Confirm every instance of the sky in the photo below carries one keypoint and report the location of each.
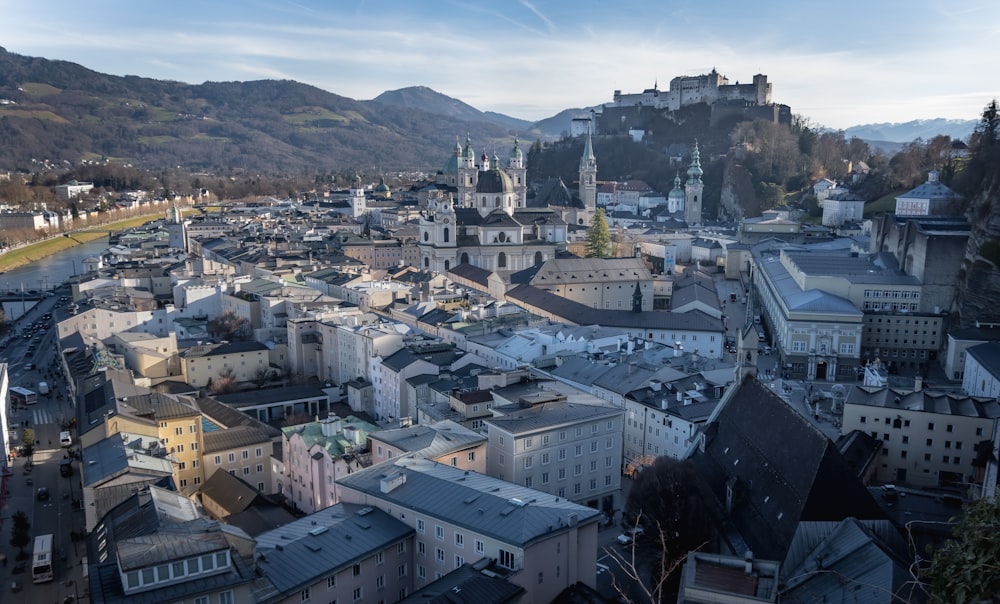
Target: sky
(838, 64)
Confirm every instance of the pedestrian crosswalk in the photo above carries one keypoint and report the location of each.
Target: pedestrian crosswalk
(42, 416)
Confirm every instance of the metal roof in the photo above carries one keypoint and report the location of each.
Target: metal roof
(298, 554)
(496, 508)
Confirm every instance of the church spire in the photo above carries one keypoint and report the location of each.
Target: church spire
(694, 172)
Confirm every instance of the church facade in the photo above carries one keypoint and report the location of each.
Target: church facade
(484, 221)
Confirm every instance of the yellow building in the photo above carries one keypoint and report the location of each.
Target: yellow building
(175, 421)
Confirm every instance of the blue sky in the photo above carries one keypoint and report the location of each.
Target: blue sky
(837, 63)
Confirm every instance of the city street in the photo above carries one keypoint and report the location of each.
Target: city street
(794, 392)
(57, 514)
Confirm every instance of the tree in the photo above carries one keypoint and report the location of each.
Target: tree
(229, 326)
(967, 568)
(669, 501)
(598, 237)
(224, 383)
(20, 533)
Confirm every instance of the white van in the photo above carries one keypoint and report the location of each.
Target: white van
(43, 387)
(65, 439)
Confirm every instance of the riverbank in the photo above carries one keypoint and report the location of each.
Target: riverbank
(30, 253)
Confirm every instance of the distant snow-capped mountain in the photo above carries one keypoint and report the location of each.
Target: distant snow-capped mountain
(910, 131)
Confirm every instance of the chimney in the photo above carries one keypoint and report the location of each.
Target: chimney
(678, 349)
(330, 426)
(748, 562)
(388, 483)
(918, 384)
(655, 385)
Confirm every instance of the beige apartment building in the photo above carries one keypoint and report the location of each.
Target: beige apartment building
(928, 438)
(535, 540)
(570, 450)
(446, 442)
(602, 283)
(204, 363)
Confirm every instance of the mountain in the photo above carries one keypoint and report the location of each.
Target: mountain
(431, 101)
(907, 132)
(63, 112)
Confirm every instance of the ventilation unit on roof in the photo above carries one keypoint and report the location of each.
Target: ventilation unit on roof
(319, 530)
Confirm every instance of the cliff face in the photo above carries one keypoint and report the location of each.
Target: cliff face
(978, 291)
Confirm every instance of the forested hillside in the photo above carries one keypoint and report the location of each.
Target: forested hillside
(62, 112)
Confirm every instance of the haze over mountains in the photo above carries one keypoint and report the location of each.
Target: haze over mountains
(61, 111)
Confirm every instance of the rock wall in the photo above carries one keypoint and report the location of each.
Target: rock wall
(978, 297)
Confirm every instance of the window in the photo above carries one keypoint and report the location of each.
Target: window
(401, 547)
(459, 561)
(421, 548)
(379, 559)
(232, 457)
(218, 460)
(331, 582)
(459, 539)
(505, 559)
(357, 594)
(380, 582)
(226, 597)
(439, 533)
(246, 471)
(304, 595)
(178, 431)
(246, 454)
(472, 456)
(439, 554)
(259, 452)
(357, 570)
(401, 571)
(527, 461)
(421, 527)
(480, 547)
(421, 572)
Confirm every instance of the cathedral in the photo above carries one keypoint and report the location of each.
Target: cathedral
(481, 217)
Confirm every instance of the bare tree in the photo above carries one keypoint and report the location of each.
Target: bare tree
(224, 383)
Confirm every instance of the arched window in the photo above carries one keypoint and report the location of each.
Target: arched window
(501, 260)
(447, 265)
(447, 235)
(427, 236)
(427, 262)
(465, 258)
(538, 258)
(498, 201)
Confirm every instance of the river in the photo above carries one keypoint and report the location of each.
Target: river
(46, 273)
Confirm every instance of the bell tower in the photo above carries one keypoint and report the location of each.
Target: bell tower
(693, 189)
(588, 178)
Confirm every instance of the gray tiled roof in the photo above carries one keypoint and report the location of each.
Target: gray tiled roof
(780, 468)
(987, 355)
(300, 553)
(504, 511)
(929, 401)
(546, 415)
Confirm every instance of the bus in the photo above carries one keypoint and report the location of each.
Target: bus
(41, 561)
(20, 397)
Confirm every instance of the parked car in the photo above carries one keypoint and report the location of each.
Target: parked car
(630, 535)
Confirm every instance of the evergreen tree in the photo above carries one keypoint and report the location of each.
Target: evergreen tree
(598, 237)
(967, 568)
(20, 534)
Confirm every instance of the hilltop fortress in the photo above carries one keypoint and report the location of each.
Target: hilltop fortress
(629, 111)
(706, 88)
